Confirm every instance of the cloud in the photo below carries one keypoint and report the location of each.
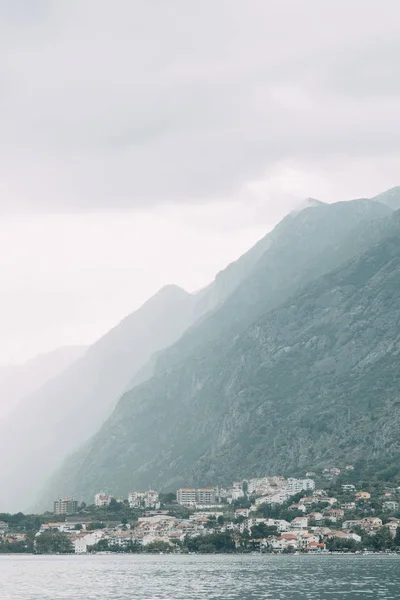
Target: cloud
(132, 104)
(145, 143)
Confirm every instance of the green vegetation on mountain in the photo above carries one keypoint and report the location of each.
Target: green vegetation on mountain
(292, 371)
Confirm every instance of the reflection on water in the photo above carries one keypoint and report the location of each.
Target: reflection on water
(199, 577)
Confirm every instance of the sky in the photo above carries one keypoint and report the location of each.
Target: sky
(145, 142)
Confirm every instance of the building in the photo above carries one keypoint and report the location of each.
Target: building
(186, 496)
(65, 506)
(390, 505)
(362, 496)
(102, 499)
(205, 496)
(294, 486)
(147, 499)
(3, 527)
(348, 487)
(299, 523)
(192, 496)
(82, 542)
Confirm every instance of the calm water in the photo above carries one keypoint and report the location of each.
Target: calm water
(198, 577)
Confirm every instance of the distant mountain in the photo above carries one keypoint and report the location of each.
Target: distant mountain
(210, 412)
(18, 381)
(72, 406)
(391, 198)
(65, 412)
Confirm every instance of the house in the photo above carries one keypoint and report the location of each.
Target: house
(62, 527)
(102, 499)
(348, 506)
(351, 523)
(242, 512)
(82, 542)
(299, 523)
(371, 523)
(281, 543)
(390, 505)
(307, 501)
(316, 516)
(344, 535)
(348, 487)
(331, 501)
(392, 526)
(281, 524)
(3, 527)
(336, 513)
(321, 531)
(308, 539)
(362, 496)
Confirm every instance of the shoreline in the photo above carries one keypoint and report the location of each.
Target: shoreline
(286, 554)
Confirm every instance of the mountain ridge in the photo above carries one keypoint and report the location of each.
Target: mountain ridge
(83, 465)
(252, 423)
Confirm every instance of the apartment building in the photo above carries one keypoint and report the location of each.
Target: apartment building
(193, 496)
(186, 496)
(65, 506)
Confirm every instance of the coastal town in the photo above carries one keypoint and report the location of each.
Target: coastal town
(329, 511)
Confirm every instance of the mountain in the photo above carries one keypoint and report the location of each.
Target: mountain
(304, 245)
(18, 381)
(212, 410)
(64, 413)
(391, 198)
(69, 408)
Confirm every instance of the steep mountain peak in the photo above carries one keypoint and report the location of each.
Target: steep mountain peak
(308, 203)
(171, 291)
(391, 197)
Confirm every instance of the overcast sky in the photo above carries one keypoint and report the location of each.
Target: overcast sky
(145, 142)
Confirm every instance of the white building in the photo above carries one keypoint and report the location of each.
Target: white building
(82, 542)
(193, 497)
(102, 499)
(294, 486)
(299, 523)
(147, 499)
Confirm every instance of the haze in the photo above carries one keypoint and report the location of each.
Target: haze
(146, 143)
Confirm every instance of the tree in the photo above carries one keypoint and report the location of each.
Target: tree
(51, 542)
(95, 525)
(167, 498)
(396, 541)
(114, 505)
(382, 540)
(158, 546)
(261, 530)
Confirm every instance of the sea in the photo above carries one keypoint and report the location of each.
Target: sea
(198, 577)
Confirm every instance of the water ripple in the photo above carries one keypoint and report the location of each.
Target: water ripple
(263, 577)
